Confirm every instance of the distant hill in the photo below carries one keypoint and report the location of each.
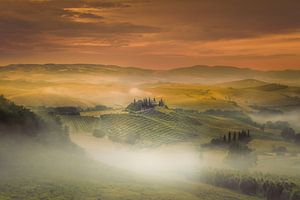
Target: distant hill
(74, 68)
(237, 95)
(245, 83)
(197, 73)
(271, 87)
(198, 87)
(207, 71)
(211, 74)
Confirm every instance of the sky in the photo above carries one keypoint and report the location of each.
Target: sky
(157, 34)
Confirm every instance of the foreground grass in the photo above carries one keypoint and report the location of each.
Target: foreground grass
(58, 189)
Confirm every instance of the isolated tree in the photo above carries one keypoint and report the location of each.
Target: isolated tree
(263, 127)
(229, 136)
(234, 136)
(297, 138)
(224, 138)
(288, 133)
(160, 102)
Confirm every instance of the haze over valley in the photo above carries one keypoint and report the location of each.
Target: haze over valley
(170, 125)
(149, 100)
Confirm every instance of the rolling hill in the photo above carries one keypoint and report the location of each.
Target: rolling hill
(244, 83)
(237, 95)
(161, 126)
(196, 74)
(198, 87)
(33, 170)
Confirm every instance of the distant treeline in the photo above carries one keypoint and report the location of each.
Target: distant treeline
(67, 110)
(276, 125)
(271, 188)
(97, 108)
(287, 132)
(71, 110)
(233, 114)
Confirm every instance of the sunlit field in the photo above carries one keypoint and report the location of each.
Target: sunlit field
(115, 137)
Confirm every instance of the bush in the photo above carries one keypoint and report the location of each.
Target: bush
(288, 133)
(296, 195)
(99, 133)
(240, 156)
(280, 150)
(297, 138)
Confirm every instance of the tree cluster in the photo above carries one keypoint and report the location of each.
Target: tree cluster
(232, 137)
(144, 104)
(289, 134)
(251, 185)
(280, 150)
(277, 125)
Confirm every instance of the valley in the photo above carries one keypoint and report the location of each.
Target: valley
(147, 134)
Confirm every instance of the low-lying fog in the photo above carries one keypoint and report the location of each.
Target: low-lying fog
(171, 159)
(292, 117)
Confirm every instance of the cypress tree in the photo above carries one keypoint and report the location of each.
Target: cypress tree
(224, 138)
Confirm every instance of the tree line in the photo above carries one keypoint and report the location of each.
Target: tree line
(258, 185)
(231, 137)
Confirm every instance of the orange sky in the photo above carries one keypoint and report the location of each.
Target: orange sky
(158, 34)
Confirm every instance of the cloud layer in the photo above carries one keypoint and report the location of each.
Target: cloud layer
(158, 34)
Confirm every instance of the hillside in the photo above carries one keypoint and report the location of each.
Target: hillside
(197, 87)
(228, 96)
(244, 83)
(31, 169)
(271, 87)
(160, 126)
(18, 120)
(196, 74)
(211, 72)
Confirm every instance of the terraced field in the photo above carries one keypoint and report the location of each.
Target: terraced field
(155, 127)
(144, 129)
(79, 124)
